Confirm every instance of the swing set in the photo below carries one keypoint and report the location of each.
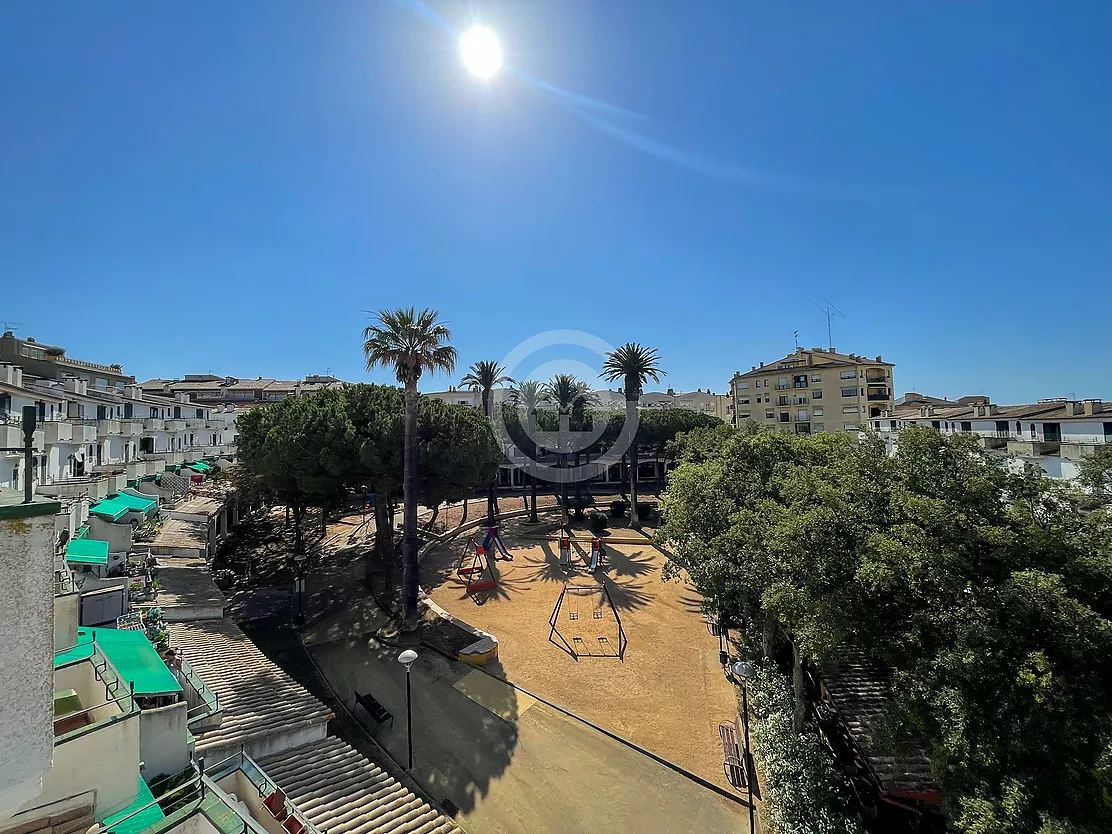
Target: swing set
(474, 565)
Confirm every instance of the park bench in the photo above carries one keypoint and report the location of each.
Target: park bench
(732, 755)
(376, 710)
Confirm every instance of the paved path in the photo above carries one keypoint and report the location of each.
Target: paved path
(512, 764)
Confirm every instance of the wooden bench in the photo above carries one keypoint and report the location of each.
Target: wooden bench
(732, 754)
(376, 710)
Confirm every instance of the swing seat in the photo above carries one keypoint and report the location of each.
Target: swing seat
(481, 585)
(469, 571)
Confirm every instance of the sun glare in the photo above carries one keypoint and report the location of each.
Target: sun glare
(481, 52)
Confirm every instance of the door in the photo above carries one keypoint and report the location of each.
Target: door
(1052, 432)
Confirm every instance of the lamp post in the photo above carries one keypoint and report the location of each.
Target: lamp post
(407, 658)
(745, 672)
(30, 417)
(299, 617)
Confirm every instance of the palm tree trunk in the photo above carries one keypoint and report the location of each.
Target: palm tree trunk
(531, 465)
(409, 497)
(631, 419)
(797, 686)
(465, 502)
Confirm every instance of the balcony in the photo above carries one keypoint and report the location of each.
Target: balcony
(881, 394)
(175, 425)
(204, 705)
(108, 428)
(875, 375)
(131, 427)
(84, 431)
(1034, 448)
(57, 431)
(267, 805)
(995, 440)
(154, 424)
(1078, 451)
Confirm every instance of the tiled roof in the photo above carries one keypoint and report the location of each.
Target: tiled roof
(823, 359)
(343, 793)
(860, 689)
(1054, 411)
(250, 384)
(180, 532)
(256, 696)
(200, 505)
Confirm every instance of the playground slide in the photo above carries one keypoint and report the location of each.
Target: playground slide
(496, 540)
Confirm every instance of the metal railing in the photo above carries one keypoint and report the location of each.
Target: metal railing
(210, 701)
(263, 784)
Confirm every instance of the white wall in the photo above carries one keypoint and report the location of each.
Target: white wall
(118, 536)
(67, 609)
(196, 824)
(27, 659)
(1084, 431)
(163, 745)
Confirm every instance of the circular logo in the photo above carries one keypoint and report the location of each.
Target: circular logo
(551, 449)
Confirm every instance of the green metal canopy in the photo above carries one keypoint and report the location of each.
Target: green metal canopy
(110, 509)
(131, 655)
(199, 466)
(87, 552)
(134, 502)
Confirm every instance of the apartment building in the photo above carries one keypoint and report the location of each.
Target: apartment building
(705, 402)
(1053, 434)
(228, 390)
(813, 390)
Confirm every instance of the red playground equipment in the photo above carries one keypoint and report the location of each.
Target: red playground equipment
(475, 571)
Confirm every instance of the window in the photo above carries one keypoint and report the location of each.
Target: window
(1107, 432)
(770, 414)
(766, 383)
(967, 426)
(743, 415)
(816, 377)
(799, 381)
(848, 374)
(850, 409)
(850, 427)
(849, 392)
(817, 427)
(876, 425)
(818, 411)
(743, 401)
(785, 417)
(892, 425)
(200, 414)
(1018, 427)
(1033, 435)
(743, 385)
(801, 416)
(801, 400)
(782, 384)
(816, 393)
(102, 412)
(782, 399)
(937, 424)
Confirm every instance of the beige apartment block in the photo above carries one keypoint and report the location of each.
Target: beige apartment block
(813, 390)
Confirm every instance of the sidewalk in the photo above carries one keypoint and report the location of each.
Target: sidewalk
(510, 763)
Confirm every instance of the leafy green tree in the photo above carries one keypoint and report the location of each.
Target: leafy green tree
(988, 592)
(484, 376)
(634, 365)
(659, 427)
(376, 465)
(458, 452)
(410, 343)
(1096, 473)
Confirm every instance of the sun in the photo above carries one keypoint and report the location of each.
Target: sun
(481, 52)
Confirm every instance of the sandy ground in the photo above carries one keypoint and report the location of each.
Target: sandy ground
(667, 693)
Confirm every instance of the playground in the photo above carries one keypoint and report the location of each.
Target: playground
(618, 646)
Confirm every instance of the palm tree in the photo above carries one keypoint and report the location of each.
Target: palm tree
(486, 376)
(571, 398)
(530, 395)
(411, 343)
(632, 364)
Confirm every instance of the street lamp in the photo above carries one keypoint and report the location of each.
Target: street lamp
(744, 671)
(407, 658)
(299, 617)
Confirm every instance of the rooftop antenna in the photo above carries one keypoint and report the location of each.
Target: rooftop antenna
(10, 325)
(830, 311)
(796, 332)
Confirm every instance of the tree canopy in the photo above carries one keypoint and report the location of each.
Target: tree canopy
(988, 592)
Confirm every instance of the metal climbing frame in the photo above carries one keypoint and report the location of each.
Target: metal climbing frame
(475, 571)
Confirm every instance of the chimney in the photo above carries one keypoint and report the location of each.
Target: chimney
(671, 393)
(1094, 406)
(879, 358)
(762, 364)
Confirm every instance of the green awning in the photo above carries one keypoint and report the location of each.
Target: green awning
(140, 815)
(87, 552)
(199, 466)
(134, 502)
(110, 508)
(131, 655)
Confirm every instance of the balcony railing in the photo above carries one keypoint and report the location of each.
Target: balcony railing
(175, 425)
(268, 789)
(878, 395)
(154, 424)
(108, 428)
(208, 703)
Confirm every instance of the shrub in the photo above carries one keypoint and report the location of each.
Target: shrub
(804, 794)
(597, 521)
(619, 508)
(645, 510)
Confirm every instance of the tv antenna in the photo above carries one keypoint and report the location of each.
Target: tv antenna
(796, 332)
(10, 325)
(830, 311)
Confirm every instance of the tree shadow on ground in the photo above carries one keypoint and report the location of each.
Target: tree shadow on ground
(633, 564)
(629, 595)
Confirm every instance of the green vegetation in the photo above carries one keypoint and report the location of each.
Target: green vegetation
(485, 376)
(634, 365)
(411, 343)
(989, 593)
(309, 451)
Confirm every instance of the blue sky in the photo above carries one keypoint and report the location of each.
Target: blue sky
(227, 187)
